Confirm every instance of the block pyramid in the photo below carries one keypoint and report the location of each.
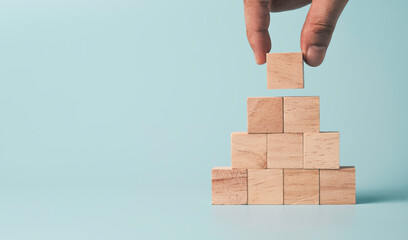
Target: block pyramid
(284, 158)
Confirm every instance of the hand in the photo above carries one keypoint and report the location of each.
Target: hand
(316, 33)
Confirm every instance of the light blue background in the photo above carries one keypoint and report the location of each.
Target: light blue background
(112, 114)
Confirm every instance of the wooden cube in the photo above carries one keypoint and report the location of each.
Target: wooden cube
(321, 150)
(301, 114)
(265, 114)
(285, 150)
(284, 70)
(229, 186)
(338, 186)
(300, 186)
(248, 150)
(265, 186)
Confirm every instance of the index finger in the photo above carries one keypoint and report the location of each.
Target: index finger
(257, 22)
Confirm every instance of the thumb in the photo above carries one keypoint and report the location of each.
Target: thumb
(318, 29)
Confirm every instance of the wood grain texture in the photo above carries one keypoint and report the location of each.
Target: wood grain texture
(301, 114)
(265, 114)
(338, 186)
(265, 186)
(321, 150)
(248, 150)
(284, 70)
(285, 150)
(300, 186)
(229, 186)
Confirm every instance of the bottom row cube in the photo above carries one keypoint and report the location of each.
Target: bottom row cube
(265, 186)
(283, 186)
(301, 186)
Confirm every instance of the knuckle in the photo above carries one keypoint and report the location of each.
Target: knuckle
(321, 27)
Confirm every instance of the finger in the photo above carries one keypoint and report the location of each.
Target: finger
(257, 23)
(318, 29)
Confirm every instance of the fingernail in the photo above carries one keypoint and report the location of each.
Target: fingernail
(315, 55)
(257, 59)
(260, 59)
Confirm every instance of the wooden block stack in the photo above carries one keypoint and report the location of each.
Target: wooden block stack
(284, 158)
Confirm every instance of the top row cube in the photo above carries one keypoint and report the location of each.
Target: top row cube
(284, 70)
